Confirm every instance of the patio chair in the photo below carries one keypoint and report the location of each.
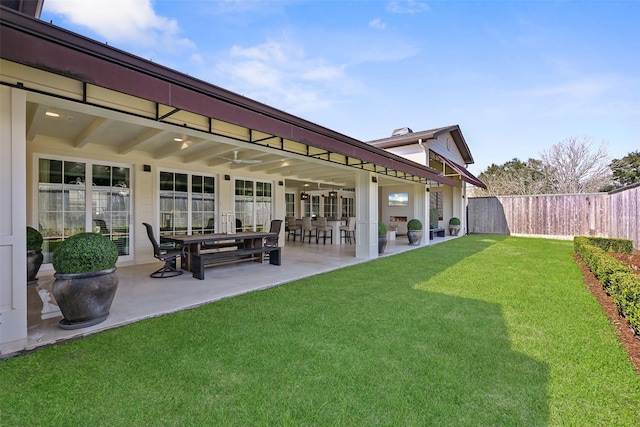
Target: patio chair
(102, 224)
(272, 242)
(276, 225)
(346, 231)
(169, 257)
(323, 227)
(293, 227)
(308, 227)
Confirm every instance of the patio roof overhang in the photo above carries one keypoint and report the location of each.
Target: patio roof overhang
(460, 170)
(218, 120)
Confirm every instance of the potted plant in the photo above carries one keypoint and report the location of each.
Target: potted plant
(414, 231)
(34, 254)
(382, 237)
(454, 226)
(85, 279)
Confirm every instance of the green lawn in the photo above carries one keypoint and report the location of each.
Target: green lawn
(477, 331)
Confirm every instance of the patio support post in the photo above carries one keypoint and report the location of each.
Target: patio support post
(13, 211)
(421, 210)
(367, 215)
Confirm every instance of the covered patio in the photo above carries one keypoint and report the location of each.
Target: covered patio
(140, 297)
(100, 140)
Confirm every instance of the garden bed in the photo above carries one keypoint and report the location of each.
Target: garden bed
(629, 340)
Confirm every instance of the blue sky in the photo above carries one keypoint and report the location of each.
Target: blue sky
(517, 76)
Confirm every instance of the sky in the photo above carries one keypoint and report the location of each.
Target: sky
(516, 76)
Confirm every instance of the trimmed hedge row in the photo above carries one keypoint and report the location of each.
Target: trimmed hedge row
(616, 278)
(619, 246)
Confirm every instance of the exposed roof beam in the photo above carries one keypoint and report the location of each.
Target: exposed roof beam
(175, 148)
(144, 138)
(93, 130)
(32, 128)
(207, 154)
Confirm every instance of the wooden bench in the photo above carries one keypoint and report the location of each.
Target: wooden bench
(202, 260)
(438, 231)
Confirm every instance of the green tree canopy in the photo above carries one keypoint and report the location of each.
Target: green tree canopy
(626, 170)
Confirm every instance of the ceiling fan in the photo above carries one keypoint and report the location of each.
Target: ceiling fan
(236, 160)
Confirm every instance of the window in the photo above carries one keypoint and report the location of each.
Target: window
(187, 203)
(67, 205)
(312, 206)
(110, 206)
(330, 207)
(435, 202)
(203, 201)
(174, 206)
(290, 204)
(347, 207)
(253, 205)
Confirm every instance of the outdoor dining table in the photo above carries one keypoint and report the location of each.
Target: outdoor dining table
(194, 242)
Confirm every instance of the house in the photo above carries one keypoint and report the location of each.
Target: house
(96, 139)
(443, 149)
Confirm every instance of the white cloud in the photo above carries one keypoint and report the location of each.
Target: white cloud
(407, 6)
(118, 21)
(579, 89)
(281, 74)
(377, 24)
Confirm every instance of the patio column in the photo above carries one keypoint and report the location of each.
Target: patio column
(421, 210)
(13, 211)
(366, 215)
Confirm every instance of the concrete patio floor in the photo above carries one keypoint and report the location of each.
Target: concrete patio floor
(141, 297)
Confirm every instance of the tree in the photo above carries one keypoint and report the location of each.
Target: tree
(514, 177)
(571, 166)
(626, 170)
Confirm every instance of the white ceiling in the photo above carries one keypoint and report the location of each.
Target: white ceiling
(81, 125)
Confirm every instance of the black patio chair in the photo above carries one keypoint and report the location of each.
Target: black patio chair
(276, 225)
(169, 257)
(272, 242)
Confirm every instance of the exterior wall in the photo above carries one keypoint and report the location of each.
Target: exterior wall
(145, 185)
(13, 245)
(444, 145)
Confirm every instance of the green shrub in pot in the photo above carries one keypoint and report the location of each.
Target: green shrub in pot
(34, 239)
(414, 224)
(382, 229)
(382, 237)
(84, 252)
(454, 226)
(34, 254)
(414, 231)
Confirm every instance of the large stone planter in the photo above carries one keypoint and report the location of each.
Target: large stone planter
(414, 236)
(34, 261)
(85, 298)
(454, 230)
(382, 244)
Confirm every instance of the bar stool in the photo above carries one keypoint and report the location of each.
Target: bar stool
(346, 231)
(323, 227)
(307, 226)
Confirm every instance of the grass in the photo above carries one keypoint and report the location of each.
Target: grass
(481, 330)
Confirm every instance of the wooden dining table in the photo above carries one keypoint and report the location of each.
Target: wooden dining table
(242, 240)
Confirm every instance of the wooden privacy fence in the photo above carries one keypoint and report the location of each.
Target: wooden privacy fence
(613, 214)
